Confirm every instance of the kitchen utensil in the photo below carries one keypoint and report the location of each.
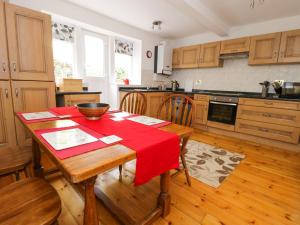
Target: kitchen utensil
(265, 88)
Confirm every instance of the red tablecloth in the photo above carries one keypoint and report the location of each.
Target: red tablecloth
(157, 151)
(68, 110)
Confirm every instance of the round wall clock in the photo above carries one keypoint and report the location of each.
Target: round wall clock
(149, 54)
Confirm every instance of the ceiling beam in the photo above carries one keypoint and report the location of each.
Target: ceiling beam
(202, 14)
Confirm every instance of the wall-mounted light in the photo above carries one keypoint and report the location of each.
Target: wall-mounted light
(156, 25)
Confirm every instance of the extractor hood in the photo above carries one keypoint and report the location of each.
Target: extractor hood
(241, 55)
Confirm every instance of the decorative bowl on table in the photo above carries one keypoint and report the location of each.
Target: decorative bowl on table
(93, 111)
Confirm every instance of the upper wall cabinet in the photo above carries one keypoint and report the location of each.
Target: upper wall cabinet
(264, 49)
(290, 47)
(176, 58)
(209, 55)
(189, 56)
(235, 45)
(4, 67)
(29, 44)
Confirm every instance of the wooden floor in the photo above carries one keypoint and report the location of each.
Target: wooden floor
(264, 190)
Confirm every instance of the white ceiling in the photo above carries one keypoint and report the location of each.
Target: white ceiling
(187, 17)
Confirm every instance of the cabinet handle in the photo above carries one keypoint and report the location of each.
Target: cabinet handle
(6, 93)
(269, 103)
(3, 67)
(17, 92)
(281, 54)
(14, 65)
(266, 114)
(275, 54)
(263, 129)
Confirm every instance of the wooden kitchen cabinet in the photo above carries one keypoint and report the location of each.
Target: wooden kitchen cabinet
(71, 100)
(7, 125)
(290, 47)
(189, 56)
(264, 49)
(29, 44)
(209, 55)
(4, 67)
(154, 101)
(31, 96)
(235, 45)
(200, 112)
(176, 58)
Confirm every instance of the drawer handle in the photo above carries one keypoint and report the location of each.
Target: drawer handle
(269, 103)
(266, 114)
(6, 93)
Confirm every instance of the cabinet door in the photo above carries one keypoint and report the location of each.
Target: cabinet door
(7, 126)
(4, 68)
(290, 47)
(189, 56)
(209, 55)
(235, 45)
(154, 100)
(29, 44)
(264, 49)
(71, 100)
(176, 58)
(29, 96)
(200, 112)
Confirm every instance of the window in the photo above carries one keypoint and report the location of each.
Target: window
(63, 54)
(94, 56)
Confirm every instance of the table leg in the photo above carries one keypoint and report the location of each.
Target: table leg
(90, 210)
(164, 198)
(36, 160)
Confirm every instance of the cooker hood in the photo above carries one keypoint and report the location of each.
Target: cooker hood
(240, 55)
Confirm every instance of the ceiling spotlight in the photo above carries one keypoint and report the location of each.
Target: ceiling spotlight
(156, 25)
(253, 3)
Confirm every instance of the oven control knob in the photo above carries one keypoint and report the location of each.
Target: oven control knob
(229, 99)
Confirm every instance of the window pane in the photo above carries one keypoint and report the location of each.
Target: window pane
(94, 65)
(123, 67)
(63, 59)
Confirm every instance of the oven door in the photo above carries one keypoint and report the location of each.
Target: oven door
(222, 112)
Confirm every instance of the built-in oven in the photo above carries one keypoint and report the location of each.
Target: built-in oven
(222, 109)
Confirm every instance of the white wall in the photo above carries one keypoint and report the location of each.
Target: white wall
(236, 75)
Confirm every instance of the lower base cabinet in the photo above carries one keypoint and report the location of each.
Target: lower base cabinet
(31, 96)
(200, 113)
(7, 125)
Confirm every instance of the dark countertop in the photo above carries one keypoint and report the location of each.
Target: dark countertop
(77, 92)
(213, 92)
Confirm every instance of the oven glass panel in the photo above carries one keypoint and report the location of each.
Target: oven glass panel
(222, 113)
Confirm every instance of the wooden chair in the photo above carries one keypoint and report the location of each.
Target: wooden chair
(14, 161)
(133, 102)
(178, 108)
(30, 201)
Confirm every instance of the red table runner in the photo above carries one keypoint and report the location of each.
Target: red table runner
(157, 151)
(73, 151)
(68, 110)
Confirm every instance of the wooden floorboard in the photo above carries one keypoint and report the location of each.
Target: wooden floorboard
(263, 190)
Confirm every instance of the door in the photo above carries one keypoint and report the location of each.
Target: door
(189, 56)
(264, 49)
(200, 112)
(209, 55)
(29, 96)
(290, 47)
(29, 44)
(4, 68)
(7, 127)
(235, 45)
(176, 58)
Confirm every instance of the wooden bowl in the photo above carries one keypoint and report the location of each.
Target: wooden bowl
(93, 111)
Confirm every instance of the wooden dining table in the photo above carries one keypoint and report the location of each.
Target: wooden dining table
(83, 169)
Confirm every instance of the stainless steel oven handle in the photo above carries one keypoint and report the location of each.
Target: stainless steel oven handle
(223, 103)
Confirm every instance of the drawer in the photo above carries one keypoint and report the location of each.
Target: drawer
(267, 130)
(71, 100)
(269, 115)
(198, 97)
(270, 103)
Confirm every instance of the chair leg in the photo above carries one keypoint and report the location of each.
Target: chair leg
(17, 175)
(120, 172)
(185, 169)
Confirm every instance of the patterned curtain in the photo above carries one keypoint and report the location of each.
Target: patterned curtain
(63, 32)
(123, 46)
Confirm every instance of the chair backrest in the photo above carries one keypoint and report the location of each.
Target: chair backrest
(134, 102)
(177, 108)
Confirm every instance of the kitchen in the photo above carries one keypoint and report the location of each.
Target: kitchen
(161, 112)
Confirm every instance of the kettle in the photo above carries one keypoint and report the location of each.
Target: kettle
(174, 85)
(265, 88)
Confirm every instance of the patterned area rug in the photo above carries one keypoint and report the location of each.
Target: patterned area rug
(210, 164)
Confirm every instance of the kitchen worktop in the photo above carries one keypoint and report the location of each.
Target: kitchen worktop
(212, 92)
(77, 92)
